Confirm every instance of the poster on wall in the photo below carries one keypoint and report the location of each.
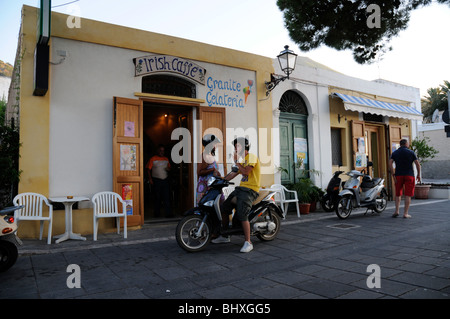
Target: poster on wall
(361, 159)
(361, 145)
(301, 150)
(129, 129)
(395, 146)
(127, 157)
(127, 196)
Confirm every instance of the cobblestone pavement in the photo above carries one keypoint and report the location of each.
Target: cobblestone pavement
(314, 257)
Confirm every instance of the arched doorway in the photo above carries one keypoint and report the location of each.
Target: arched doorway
(293, 136)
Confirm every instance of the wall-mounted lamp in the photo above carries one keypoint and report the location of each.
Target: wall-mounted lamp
(404, 123)
(341, 117)
(287, 59)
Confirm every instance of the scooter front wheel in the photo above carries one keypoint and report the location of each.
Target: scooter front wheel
(8, 255)
(192, 233)
(328, 204)
(344, 207)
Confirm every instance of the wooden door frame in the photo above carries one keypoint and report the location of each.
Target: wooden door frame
(375, 128)
(122, 179)
(202, 110)
(182, 103)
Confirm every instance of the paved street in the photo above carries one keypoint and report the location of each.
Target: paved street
(315, 257)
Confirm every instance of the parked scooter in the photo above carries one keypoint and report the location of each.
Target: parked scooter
(370, 193)
(194, 231)
(331, 197)
(8, 238)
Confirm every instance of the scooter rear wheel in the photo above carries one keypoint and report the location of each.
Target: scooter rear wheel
(344, 207)
(186, 233)
(273, 234)
(8, 255)
(381, 201)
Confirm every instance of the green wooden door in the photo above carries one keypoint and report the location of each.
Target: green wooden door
(293, 146)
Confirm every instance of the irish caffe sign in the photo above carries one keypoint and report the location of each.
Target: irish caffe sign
(152, 64)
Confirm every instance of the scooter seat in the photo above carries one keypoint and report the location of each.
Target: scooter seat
(262, 195)
(376, 181)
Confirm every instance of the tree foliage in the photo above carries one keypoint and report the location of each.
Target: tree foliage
(424, 152)
(343, 24)
(437, 99)
(9, 157)
(5, 69)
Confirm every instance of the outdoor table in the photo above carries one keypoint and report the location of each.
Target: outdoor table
(68, 203)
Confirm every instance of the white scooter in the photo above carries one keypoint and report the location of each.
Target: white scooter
(370, 193)
(8, 238)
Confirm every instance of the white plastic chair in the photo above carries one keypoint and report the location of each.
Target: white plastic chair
(33, 211)
(280, 197)
(106, 205)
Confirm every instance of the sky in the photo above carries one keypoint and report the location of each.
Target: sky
(419, 57)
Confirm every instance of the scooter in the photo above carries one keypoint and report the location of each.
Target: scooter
(8, 238)
(369, 193)
(331, 197)
(194, 231)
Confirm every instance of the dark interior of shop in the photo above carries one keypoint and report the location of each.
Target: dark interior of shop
(158, 123)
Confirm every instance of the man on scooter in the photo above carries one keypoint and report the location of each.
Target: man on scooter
(245, 193)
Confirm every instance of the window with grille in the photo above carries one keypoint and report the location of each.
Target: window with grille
(336, 146)
(168, 85)
(292, 102)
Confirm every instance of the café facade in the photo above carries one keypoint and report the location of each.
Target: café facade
(115, 93)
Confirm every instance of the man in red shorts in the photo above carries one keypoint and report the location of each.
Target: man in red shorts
(404, 175)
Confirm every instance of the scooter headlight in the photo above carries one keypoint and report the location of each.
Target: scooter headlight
(209, 203)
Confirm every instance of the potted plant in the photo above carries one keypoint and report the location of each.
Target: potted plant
(307, 192)
(316, 195)
(304, 189)
(424, 152)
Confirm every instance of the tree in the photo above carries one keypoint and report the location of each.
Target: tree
(348, 24)
(9, 157)
(424, 152)
(437, 99)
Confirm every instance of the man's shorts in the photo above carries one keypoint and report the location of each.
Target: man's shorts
(408, 182)
(244, 199)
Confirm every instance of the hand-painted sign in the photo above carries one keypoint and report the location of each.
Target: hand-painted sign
(166, 63)
(227, 92)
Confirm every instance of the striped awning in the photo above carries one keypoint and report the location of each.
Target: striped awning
(364, 105)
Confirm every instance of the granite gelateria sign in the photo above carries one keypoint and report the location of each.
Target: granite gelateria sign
(165, 63)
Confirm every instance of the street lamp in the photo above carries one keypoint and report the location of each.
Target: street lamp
(287, 59)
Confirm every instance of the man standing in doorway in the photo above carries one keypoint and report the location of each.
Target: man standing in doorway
(245, 193)
(404, 175)
(158, 168)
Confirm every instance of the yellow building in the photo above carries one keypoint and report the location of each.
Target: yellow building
(113, 88)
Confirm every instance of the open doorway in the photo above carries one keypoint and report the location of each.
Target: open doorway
(371, 136)
(159, 120)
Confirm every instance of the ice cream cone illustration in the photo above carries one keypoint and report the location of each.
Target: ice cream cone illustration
(247, 90)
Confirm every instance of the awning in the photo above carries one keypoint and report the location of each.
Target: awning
(360, 104)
